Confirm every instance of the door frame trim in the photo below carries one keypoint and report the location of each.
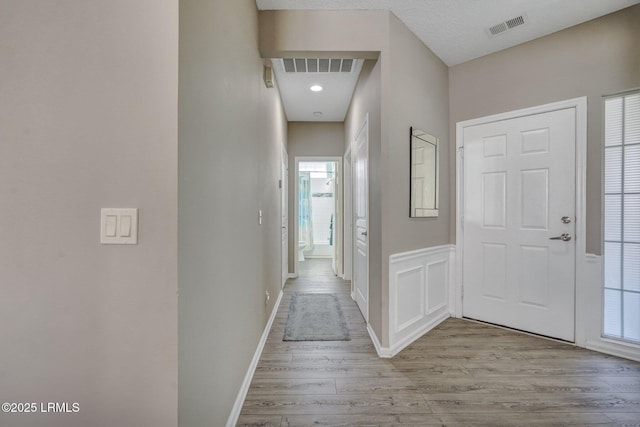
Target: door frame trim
(284, 200)
(347, 217)
(580, 105)
(296, 195)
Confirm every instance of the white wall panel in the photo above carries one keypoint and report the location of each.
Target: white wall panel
(438, 273)
(419, 283)
(410, 296)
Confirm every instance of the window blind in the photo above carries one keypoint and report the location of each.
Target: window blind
(622, 217)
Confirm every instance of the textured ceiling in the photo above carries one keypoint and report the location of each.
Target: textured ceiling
(456, 30)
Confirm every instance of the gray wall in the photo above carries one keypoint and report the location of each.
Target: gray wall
(318, 139)
(231, 131)
(413, 93)
(357, 33)
(88, 119)
(417, 95)
(592, 59)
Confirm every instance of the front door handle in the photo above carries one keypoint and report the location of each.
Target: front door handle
(565, 237)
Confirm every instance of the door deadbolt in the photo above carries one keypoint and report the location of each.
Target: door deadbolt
(565, 220)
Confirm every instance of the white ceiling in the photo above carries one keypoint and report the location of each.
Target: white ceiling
(303, 105)
(456, 30)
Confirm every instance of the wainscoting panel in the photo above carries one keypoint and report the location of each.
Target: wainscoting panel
(437, 285)
(410, 295)
(419, 283)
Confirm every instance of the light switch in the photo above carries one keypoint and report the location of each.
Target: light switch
(125, 226)
(119, 226)
(110, 225)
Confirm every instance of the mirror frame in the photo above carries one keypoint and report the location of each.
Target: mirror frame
(429, 211)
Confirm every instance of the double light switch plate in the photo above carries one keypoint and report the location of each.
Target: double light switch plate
(119, 226)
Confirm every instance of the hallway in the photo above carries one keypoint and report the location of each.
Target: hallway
(461, 373)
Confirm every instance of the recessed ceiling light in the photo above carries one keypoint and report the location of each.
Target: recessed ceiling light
(316, 88)
(317, 113)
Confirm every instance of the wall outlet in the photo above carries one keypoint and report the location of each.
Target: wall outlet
(266, 297)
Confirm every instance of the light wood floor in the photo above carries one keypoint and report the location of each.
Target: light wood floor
(460, 373)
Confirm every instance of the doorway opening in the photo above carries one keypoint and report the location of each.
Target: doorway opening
(318, 213)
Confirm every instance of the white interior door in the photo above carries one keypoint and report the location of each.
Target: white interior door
(519, 199)
(284, 206)
(361, 220)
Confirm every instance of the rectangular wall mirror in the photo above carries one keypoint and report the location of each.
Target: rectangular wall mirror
(424, 174)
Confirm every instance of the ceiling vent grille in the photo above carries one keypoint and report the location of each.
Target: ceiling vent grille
(507, 25)
(512, 23)
(317, 65)
(498, 28)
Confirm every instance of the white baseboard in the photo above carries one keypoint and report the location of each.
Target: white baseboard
(387, 353)
(626, 350)
(424, 328)
(242, 394)
(382, 351)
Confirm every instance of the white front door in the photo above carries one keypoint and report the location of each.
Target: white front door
(361, 220)
(284, 209)
(519, 223)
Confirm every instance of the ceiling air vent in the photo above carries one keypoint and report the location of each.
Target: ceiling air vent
(498, 28)
(511, 23)
(289, 66)
(317, 65)
(506, 25)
